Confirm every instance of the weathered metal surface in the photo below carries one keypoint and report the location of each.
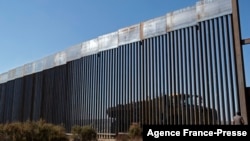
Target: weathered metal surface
(108, 41)
(4, 77)
(208, 9)
(89, 47)
(181, 19)
(60, 58)
(154, 27)
(38, 65)
(129, 34)
(73, 53)
(28, 69)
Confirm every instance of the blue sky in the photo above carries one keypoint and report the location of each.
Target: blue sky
(33, 29)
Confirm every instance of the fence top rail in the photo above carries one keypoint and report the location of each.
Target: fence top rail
(189, 16)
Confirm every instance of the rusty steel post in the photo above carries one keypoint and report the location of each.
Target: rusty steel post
(239, 60)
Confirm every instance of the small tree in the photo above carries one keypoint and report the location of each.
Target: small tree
(135, 131)
(84, 133)
(88, 134)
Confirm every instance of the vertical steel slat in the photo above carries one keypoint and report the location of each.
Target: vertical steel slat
(205, 62)
(103, 92)
(229, 69)
(143, 78)
(127, 87)
(110, 88)
(146, 77)
(189, 83)
(193, 65)
(224, 73)
(208, 66)
(83, 105)
(164, 79)
(196, 77)
(76, 77)
(154, 110)
(231, 65)
(213, 71)
(187, 61)
(109, 94)
(84, 94)
(147, 103)
(183, 92)
(120, 86)
(130, 83)
(181, 73)
(78, 92)
(198, 73)
(116, 86)
(174, 84)
(112, 100)
(151, 80)
(73, 93)
(68, 97)
(123, 84)
(210, 78)
(85, 89)
(141, 82)
(159, 78)
(151, 74)
(137, 118)
(106, 66)
(169, 76)
(202, 74)
(178, 80)
(74, 110)
(181, 78)
(94, 88)
(126, 94)
(88, 89)
(157, 85)
(215, 38)
(136, 84)
(89, 95)
(98, 90)
(221, 69)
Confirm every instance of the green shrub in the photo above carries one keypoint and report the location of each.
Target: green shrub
(135, 131)
(48, 132)
(84, 133)
(32, 131)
